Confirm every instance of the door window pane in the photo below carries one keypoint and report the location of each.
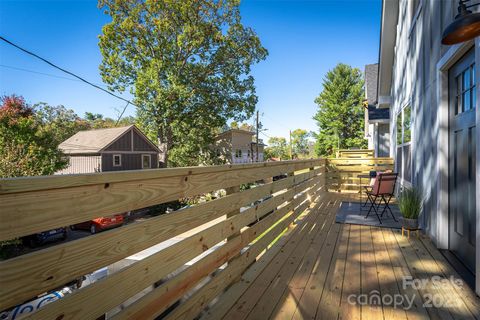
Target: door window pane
(466, 100)
(466, 79)
(398, 161)
(399, 128)
(407, 124)
(474, 92)
(458, 104)
(407, 160)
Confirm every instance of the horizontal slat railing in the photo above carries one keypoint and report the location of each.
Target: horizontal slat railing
(342, 174)
(356, 154)
(49, 201)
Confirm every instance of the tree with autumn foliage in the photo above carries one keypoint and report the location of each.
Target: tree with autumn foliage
(26, 147)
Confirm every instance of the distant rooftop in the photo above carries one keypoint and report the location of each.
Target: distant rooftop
(94, 141)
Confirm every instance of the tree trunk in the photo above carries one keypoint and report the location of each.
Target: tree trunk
(165, 142)
(162, 145)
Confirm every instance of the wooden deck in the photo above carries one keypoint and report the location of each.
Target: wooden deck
(323, 270)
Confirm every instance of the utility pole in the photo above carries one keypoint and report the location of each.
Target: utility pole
(257, 138)
(291, 154)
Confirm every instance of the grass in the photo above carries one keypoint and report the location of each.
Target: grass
(410, 203)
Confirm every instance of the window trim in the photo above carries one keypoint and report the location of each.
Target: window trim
(119, 160)
(149, 161)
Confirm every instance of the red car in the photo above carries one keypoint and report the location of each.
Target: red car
(100, 224)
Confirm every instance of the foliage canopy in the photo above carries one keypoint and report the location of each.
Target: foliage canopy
(187, 63)
(340, 115)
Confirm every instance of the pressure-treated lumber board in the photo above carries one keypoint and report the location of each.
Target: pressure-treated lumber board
(357, 168)
(190, 308)
(25, 184)
(380, 160)
(368, 268)
(24, 213)
(147, 271)
(264, 265)
(468, 296)
(417, 271)
(328, 308)
(353, 277)
(156, 301)
(31, 274)
(291, 282)
(307, 305)
(401, 271)
(386, 275)
(455, 303)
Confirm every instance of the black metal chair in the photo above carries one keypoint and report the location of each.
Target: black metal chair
(383, 190)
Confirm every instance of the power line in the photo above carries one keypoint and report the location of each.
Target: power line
(66, 71)
(279, 123)
(266, 135)
(121, 114)
(41, 73)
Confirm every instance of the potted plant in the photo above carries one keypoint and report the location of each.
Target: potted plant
(410, 205)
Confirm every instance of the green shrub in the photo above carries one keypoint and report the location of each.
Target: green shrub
(410, 203)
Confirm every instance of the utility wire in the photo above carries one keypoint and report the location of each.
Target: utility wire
(41, 73)
(266, 135)
(66, 71)
(121, 114)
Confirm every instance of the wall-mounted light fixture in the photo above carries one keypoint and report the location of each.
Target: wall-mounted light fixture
(464, 27)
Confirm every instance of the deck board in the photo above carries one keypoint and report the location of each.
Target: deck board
(322, 265)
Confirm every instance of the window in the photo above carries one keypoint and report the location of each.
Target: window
(146, 161)
(117, 160)
(238, 153)
(249, 153)
(404, 141)
(465, 97)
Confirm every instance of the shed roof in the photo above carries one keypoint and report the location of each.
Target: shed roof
(94, 141)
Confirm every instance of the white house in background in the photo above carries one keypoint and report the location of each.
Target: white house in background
(432, 93)
(237, 146)
(377, 120)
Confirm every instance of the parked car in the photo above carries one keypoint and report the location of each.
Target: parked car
(40, 238)
(100, 224)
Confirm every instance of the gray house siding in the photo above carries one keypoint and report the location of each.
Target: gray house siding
(130, 161)
(383, 140)
(123, 143)
(420, 80)
(140, 144)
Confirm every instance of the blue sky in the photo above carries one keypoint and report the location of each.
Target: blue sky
(304, 38)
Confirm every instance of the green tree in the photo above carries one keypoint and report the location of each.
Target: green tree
(300, 142)
(58, 121)
(187, 64)
(26, 148)
(340, 115)
(277, 148)
(98, 121)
